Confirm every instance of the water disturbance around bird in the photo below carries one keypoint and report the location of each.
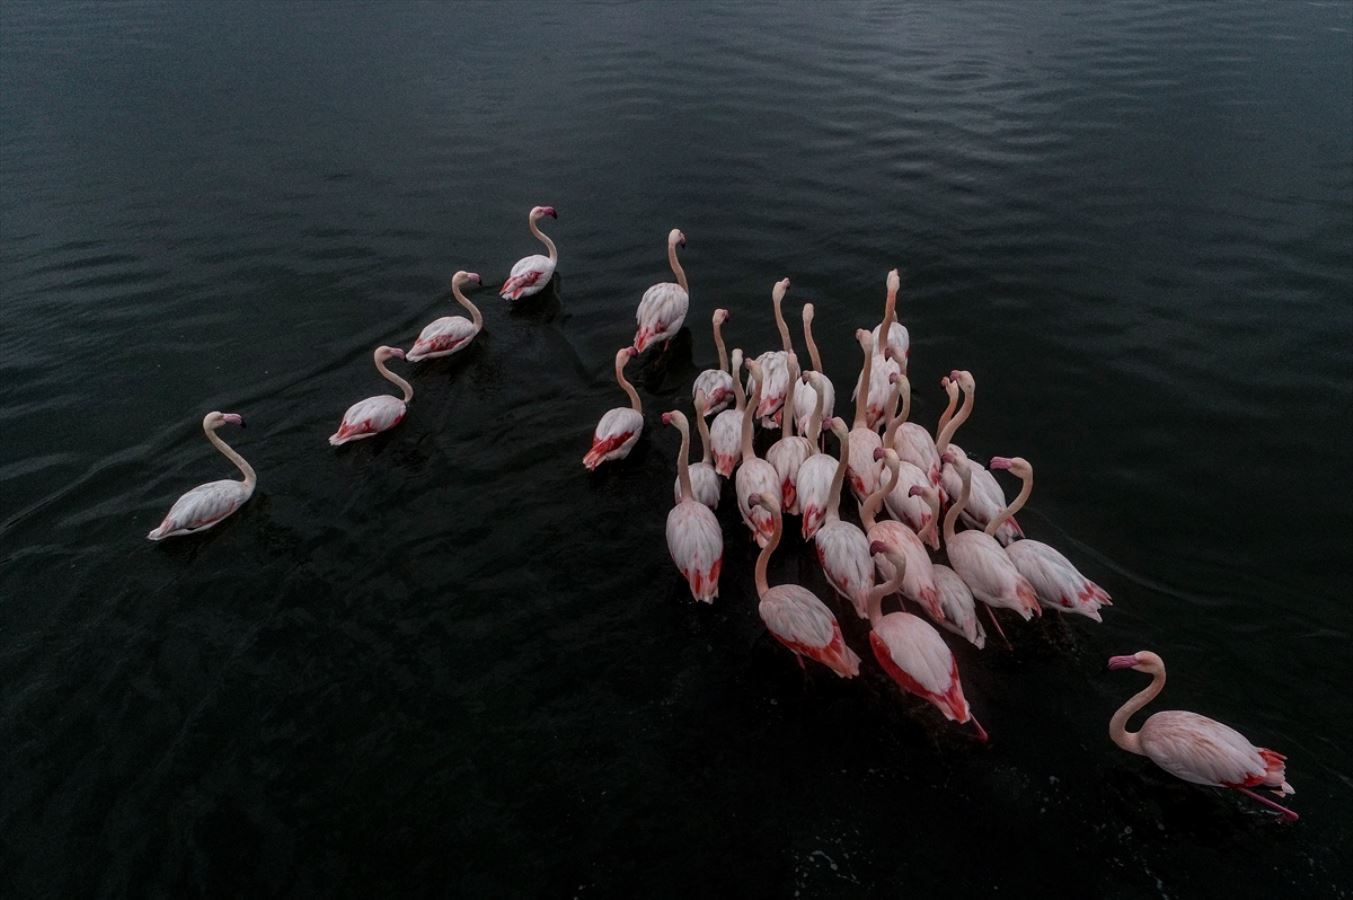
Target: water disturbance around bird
(449, 660)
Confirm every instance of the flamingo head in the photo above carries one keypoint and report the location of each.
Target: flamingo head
(676, 238)
(538, 211)
(808, 312)
(472, 277)
(720, 316)
(878, 454)
(625, 354)
(916, 491)
(384, 353)
(838, 427)
(1141, 661)
(877, 548)
(1017, 466)
(675, 417)
(769, 502)
(865, 339)
(963, 378)
(781, 288)
(213, 420)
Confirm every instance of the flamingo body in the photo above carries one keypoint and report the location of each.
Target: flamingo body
(805, 396)
(803, 623)
(615, 435)
(913, 510)
(918, 578)
(898, 339)
(914, 655)
(813, 488)
(960, 611)
(725, 440)
(1058, 583)
(661, 313)
(861, 469)
(787, 456)
(696, 543)
(915, 445)
(705, 485)
(529, 276)
(202, 507)
(718, 387)
(368, 418)
(442, 337)
(756, 476)
(775, 369)
(990, 574)
(843, 551)
(985, 503)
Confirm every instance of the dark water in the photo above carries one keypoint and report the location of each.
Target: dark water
(450, 662)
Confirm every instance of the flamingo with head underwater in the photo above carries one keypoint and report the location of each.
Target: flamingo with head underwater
(531, 273)
(1195, 748)
(662, 310)
(207, 504)
(369, 417)
(619, 429)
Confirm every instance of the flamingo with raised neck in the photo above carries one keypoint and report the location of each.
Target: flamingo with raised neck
(773, 364)
(754, 475)
(813, 485)
(207, 504)
(693, 535)
(789, 452)
(662, 310)
(987, 496)
(531, 273)
(447, 335)
(725, 435)
(619, 429)
(716, 383)
(806, 400)
(878, 380)
(369, 417)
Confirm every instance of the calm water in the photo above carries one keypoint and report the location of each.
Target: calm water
(449, 661)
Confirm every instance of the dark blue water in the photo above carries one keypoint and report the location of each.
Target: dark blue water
(449, 662)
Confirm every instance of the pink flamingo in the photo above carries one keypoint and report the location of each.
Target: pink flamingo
(446, 335)
(693, 535)
(788, 453)
(662, 311)
(980, 561)
(913, 443)
(773, 364)
(960, 611)
(704, 480)
(1059, 584)
(805, 400)
(885, 364)
(905, 505)
(531, 273)
(987, 497)
(725, 435)
(794, 615)
(864, 440)
(619, 429)
(842, 548)
(912, 652)
(813, 486)
(754, 476)
(919, 584)
(716, 383)
(1195, 748)
(369, 417)
(209, 503)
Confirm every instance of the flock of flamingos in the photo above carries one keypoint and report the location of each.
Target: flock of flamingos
(913, 490)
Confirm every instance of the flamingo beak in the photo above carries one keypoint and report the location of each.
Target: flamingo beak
(474, 276)
(397, 353)
(667, 418)
(878, 454)
(916, 491)
(1122, 662)
(233, 419)
(999, 462)
(877, 547)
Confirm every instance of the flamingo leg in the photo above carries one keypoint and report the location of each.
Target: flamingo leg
(992, 613)
(1287, 814)
(981, 732)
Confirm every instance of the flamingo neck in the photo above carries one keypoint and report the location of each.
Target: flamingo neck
(395, 380)
(812, 344)
(869, 511)
(862, 395)
(1131, 740)
(785, 344)
(475, 315)
(787, 416)
(763, 561)
(954, 511)
(815, 419)
(739, 395)
(683, 467)
(626, 386)
(250, 479)
(748, 419)
(947, 432)
(1025, 490)
(679, 272)
(902, 389)
(933, 501)
(948, 409)
(838, 479)
(545, 239)
(703, 427)
(891, 586)
(718, 342)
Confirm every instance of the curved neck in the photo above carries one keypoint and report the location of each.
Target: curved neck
(683, 467)
(812, 344)
(395, 380)
(679, 272)
(903, 389)
(838, 479)
(749, 419)
(891, 586)
(1025, 490)
(628, 388)
(250, 479)
(787, 415)
(703, 427)
(948, 409)
(870, 510)
(947, 432)
(762, 561)
(862, 395)
(1131, 740)
(954, 511)
(718, 342)
(475, 315)
(932, 500)
(545, 238)
(785, 343)
(815, 420)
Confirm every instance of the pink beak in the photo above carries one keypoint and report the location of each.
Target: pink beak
(999, 462)
(878, 454)
(916, 491)
(1122, 662)
(877, 547)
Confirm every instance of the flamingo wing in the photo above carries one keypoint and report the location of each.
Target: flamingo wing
(529, 276)
(615, 436)
(696, 544)
(1059, 584)
(442, 338)
(990, 574)
(718, 387)
(802, 622)
(725, 440)
(1204, 751)
(843, 551)
(774, 366)
(202, 507)
(960, 610)
(814, 488)
(661, 313)
(918, 659)
(756, 476)
(369, 417)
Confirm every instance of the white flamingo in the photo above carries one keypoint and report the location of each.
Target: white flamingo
(725, 435)
(693, 534)
(207, 504)
(754, 476)
(619, 429)
(369, 417)
(449, 334)
(716, 383)
(531, 273)
(842, 548)
(805, 400)
(705, 483)
(813, 485)
(662, 311)
(788, 453)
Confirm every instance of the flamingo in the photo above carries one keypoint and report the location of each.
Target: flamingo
(813, 486)
(864, 472)
(209, 503)
(919, 584)
(369, 417)
(842, 548)
(898, 339)
(716, 383)
(885, 365)
(804, 401)
(705, 482)
(663, 308)
(619, 429)
(788, 453)
(913, 443)
(693, 535)
(531, 273)
(793, 614)
(987, 497)
(912, 652)
(980, 561)
(725, 435)
(446, 335)
(773, 364)
(1059, 584)
(1195, 748)
(905, 505)
(754, 476)
(960, 611)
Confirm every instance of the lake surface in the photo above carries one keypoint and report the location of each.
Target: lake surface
(449, 661)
